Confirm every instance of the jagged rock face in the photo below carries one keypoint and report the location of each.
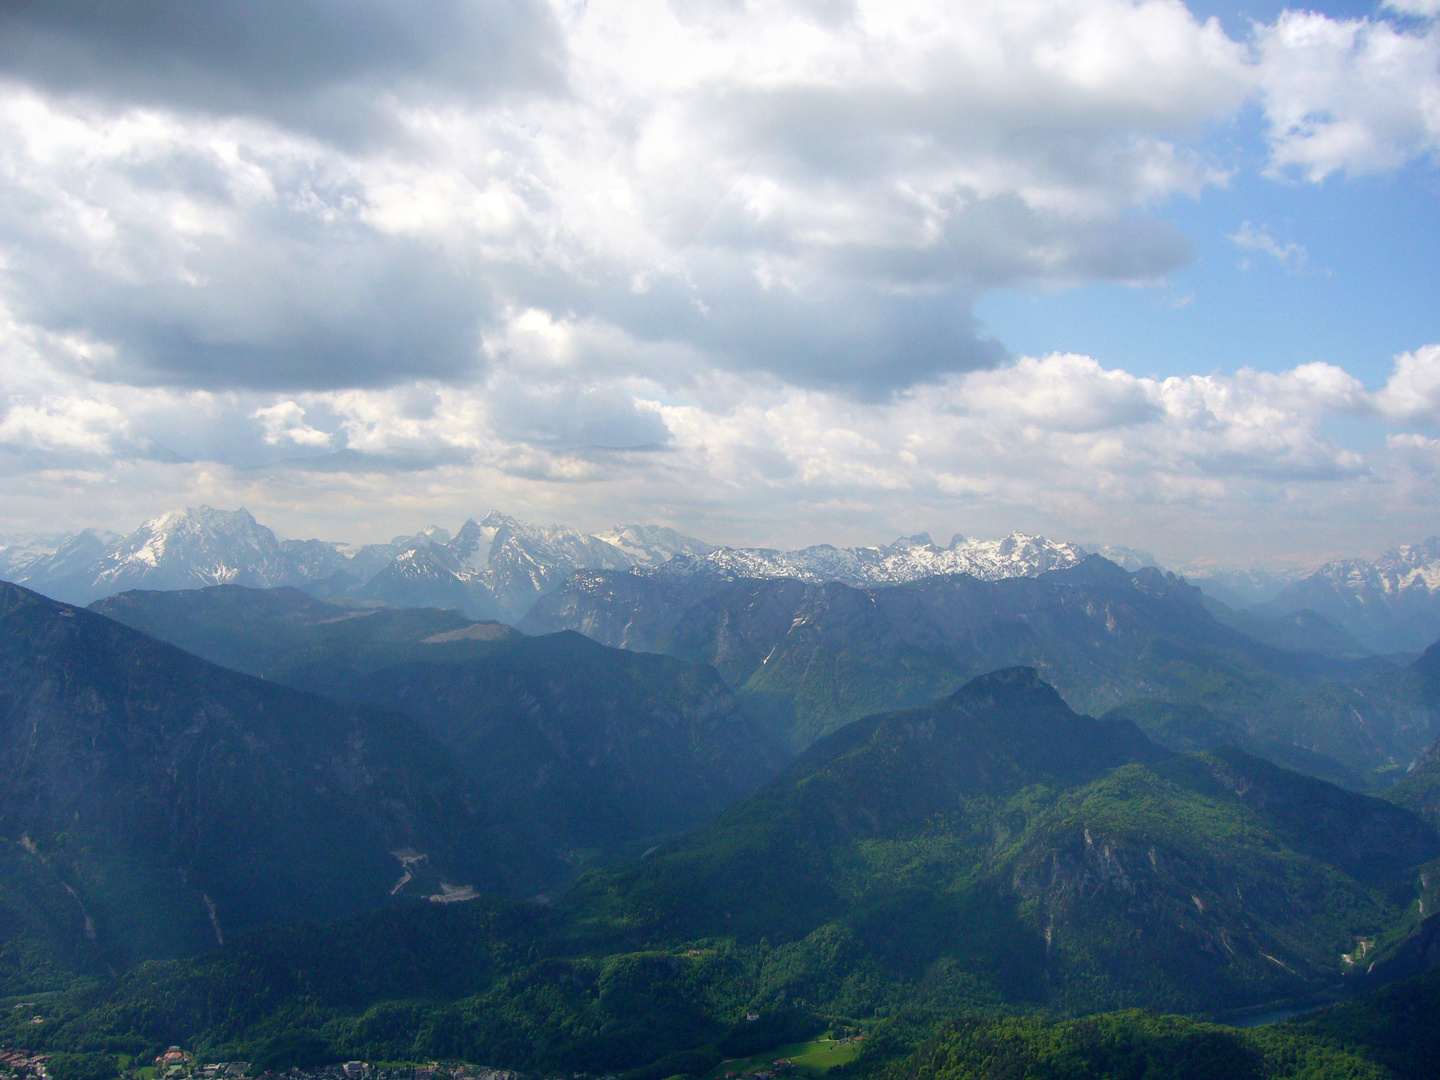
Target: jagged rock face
(425, 575)
(499, 567)
(492, 568)
(907, 559)
(181, 800)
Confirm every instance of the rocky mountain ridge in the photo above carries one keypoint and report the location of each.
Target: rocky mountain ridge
(497, 567)
(494, 567)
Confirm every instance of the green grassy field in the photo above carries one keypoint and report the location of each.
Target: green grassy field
(810, 1058)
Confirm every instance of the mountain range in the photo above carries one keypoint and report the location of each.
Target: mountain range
(153, 803)
(492, 568)
(1390, 604)
(814, 638)
(805, 659)
(497, 567)
(291, 830)
(808, 658)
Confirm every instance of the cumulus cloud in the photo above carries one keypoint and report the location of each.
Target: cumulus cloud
(1412, 393)
(285, 422)
(1358, 95)
(312, 196)
(215, 254)
(1064, 393)
(726, 255)
(63, 424)
(320, 66)
(1059, 443)
(819, 198)
(1425, 9)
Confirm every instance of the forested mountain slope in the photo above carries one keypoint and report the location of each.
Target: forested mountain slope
(178, 802)
(603, 751)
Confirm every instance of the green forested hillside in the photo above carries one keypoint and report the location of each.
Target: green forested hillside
(1060, 859)
(993, 852)
(1396, 1026)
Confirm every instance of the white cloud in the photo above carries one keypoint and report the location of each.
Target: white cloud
(1060, 393)
(63, 424)
(1291, 256)
(820, 198)
(749, 235)
(755, 188)
(1425, 9)
(285, 422)
(1412, 393)
(1059, 443)
(1357, 95)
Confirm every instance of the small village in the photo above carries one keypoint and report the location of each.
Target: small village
(22, 1065)
(178, 1064)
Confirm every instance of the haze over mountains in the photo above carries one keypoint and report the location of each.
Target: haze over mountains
(812, 639)
(498, 567)
(602, 751)
(745, 790)
(178, 802)
(809, 658)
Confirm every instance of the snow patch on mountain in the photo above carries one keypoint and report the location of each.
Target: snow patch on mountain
(181, 549)
(494, 567)
(651, 545)
(20, 551)
(1390, 604)
(909, 558)
(498, 566)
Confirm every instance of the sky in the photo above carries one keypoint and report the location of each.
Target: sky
(770, 273)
